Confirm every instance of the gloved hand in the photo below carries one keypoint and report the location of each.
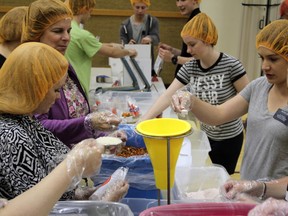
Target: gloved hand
(121, 134)
(102, 121)
(182, 100)
(84, 160)
(232, 188)
(246, 198)
(117, 192)
(270, 207)
(83, 193)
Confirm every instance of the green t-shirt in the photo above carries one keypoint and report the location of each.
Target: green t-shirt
(82, 47)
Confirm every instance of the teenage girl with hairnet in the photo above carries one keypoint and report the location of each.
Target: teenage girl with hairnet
(10, 31)
(141, 28)
(216, 77)
(265, 101)
(188, 8)
(84, 45)
(49, 22)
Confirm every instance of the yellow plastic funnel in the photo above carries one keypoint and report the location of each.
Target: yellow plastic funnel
(156, 133)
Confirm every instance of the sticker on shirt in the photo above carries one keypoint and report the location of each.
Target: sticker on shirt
(281, 116)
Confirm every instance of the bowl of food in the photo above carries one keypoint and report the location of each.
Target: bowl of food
(112, 145)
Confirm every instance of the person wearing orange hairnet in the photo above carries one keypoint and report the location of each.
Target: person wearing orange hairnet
(265, 102)
(29, 152)
(10, 31)
(284, 9)
(189, 8)
(141, 28)
(84, 45)
(70, 117)
(216, 77)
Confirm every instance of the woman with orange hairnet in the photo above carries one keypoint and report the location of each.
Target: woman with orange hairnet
(216, 77)
(70, 119)
(265, 101)
(141, 28)
(10, 31)
(29, 152)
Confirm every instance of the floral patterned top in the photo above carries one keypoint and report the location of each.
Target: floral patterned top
(77, 104)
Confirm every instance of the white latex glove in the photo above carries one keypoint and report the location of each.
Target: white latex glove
(102, 121)
(271, 207)
(182, 100)
(116, 193)
(84, 160)
(233, 188)
(121, 134)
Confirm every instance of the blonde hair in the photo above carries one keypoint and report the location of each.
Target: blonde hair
(11, 24)
(27, 75)
(202, 28)
(146, 2)
(80, 6)
(41, 15)
(274, 36)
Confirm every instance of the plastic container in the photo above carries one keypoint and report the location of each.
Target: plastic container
(90, 208)
(199, 183)
(200, 147)
(137, 205)
(200, 209)
(116, 101)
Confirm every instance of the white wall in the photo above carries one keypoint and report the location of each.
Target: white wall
(237, 28)
(227, 16)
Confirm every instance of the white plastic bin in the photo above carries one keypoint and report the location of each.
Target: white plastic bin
(200, 147)
(90, 208)
(116, 101)
(194, 150)
(199, 183)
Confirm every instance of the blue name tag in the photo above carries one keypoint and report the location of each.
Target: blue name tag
(282, 116)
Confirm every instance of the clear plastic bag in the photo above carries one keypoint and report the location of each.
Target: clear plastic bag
(111, 185)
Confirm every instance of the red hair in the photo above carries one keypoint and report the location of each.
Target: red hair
(284, 8)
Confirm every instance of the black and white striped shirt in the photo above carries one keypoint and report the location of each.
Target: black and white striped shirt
(215, 86)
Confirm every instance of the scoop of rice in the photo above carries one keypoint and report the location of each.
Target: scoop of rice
(109, 140)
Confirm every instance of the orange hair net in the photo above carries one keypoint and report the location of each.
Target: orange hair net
(274, 36)
(284, 8)
(41, 15)
(146, 2)
(11, 24)
(80, 6)
(27, 75)
(202, 28)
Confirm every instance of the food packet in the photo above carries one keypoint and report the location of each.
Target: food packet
(111, 184)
